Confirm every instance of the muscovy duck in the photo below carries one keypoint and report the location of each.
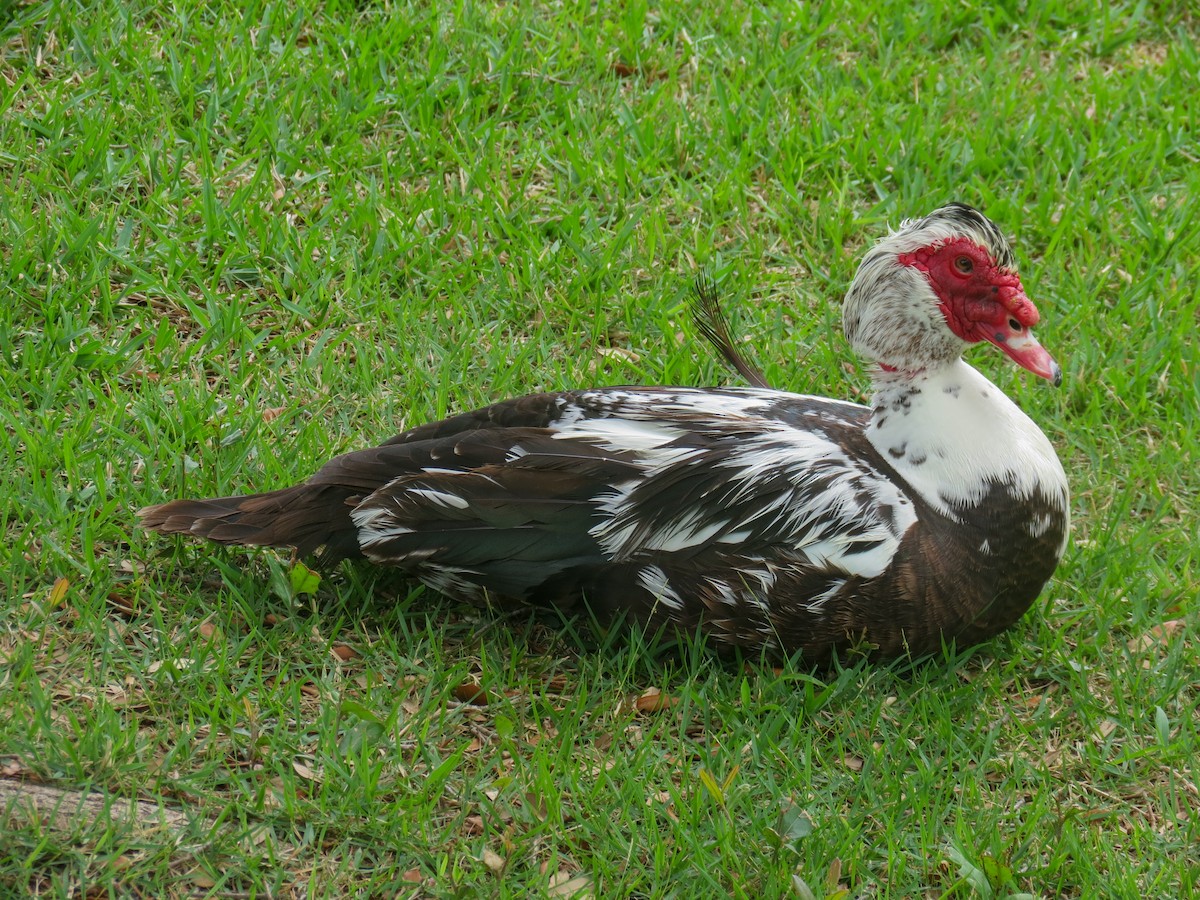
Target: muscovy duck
(767, 520)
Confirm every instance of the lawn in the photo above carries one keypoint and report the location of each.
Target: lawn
(238, 239)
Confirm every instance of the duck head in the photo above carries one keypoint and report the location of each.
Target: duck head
(936, 285)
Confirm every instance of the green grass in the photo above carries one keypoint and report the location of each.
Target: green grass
(238, 241)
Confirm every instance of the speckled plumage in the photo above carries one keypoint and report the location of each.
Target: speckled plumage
(768, 520)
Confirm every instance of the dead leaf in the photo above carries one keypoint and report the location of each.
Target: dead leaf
(853, 763)
(625, 70)
(653, 700)
(473, 826)
(273, 412)
(209, 631)
(57, 592)
(1158, 636)
(494, 861)
(470, 691)
(304, 771)
(344, 652)
(122, 605)
(833, 877)
(203, 880)
(564, 884)
(618, 353)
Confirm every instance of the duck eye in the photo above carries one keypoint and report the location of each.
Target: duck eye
(964, 264)
(1014, 324)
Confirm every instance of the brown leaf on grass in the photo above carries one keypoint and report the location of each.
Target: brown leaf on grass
(272, 413)
(625, 70)
(473, 826)
(494, 861)
(122, 605)
(653, 700)
(210, 632)
(1033, 701)
(853, 763)
(413, 876)
(202, 880)
(470, 691)
(620, 353)
(1052, 758)
(564, 884)
(344, 652)
(1158, 636)
(834, 889)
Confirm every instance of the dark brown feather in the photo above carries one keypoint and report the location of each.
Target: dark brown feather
(710, 319)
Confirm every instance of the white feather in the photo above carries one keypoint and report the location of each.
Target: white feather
(654, 580)
(618, 434)
(376, 525)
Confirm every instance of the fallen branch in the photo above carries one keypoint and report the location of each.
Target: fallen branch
(73, 811)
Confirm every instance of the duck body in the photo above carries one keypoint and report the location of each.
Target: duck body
(766, 520)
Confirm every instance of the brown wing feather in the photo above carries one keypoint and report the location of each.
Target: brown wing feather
(315, 515)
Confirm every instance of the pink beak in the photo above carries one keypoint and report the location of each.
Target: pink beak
(1023, 348)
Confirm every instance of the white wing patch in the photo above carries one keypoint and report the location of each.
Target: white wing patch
(376, 525)
(439, 498)
(618, 433)
(830, 508)
(655, 580)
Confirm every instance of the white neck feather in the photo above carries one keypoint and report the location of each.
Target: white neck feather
(951, 434)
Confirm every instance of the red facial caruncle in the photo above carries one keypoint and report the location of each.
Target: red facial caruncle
(983, 302)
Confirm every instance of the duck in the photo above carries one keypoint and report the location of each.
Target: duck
(762, 520)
